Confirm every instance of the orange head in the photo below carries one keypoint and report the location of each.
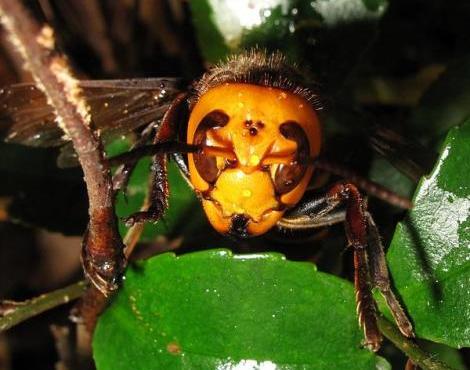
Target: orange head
(255, 140)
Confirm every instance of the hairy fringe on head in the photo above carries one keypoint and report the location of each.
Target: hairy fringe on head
(257, 67)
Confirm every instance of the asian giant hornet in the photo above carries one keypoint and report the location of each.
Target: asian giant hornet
(247, 138)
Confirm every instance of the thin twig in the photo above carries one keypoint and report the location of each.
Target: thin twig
(63, 347)
(92, 304)
(423, 359)
(12, 313)
(103, 257)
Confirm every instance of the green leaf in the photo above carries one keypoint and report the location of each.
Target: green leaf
(211, 40)
(222, 25)
(306, 31)
(448, 355)
(429, 257)
(375, 5)
(212, 310)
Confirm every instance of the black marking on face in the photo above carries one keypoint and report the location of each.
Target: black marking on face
(238, 227)
(206, 165)
(288, 176)
(253, 127)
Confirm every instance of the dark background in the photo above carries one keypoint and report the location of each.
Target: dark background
(409, 48)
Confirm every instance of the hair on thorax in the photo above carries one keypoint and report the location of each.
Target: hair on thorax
(258, 67)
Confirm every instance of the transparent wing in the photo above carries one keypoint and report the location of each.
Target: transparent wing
(117, 107)
(408, 156)
(404, 152)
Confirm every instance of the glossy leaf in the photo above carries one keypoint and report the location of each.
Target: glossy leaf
(212, 310)
(429, 257)
(306, 31)
(448, 355)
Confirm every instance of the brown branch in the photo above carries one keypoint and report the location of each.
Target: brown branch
(103, 258)
(92, 302)
(63, 346)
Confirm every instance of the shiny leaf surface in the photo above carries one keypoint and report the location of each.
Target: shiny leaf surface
(306, 31)
(212, 310)
(429, 257)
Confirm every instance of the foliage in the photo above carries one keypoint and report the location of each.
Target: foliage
(213, 309)
(206, 311)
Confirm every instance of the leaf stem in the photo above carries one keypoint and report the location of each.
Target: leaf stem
(423, 359)
(17, 312)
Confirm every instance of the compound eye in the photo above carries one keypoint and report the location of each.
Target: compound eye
(205, 164)
(288, 176)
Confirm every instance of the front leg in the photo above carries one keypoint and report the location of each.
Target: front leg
(356, 232)
(123, 172)
(159, 193)
(159, 190)
(369, 258)
(381, 280)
